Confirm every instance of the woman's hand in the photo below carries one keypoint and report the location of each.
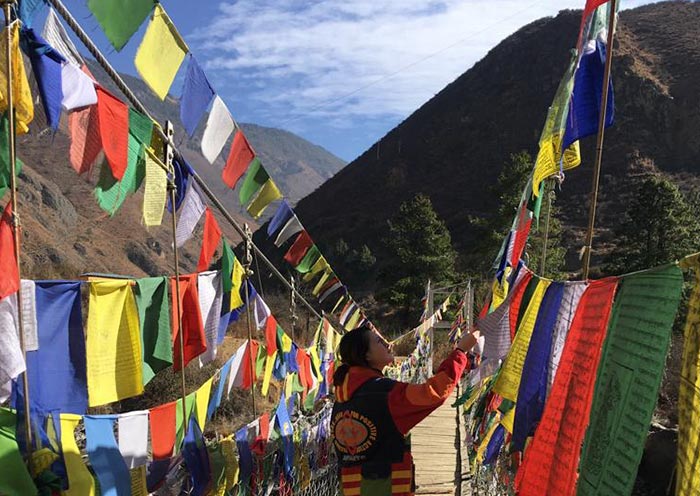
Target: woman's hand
(468, 340)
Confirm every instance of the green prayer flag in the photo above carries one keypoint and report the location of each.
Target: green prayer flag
(260, 361)
(629, 375)
(254, 180)
(180, 423)
(227, 258)
(111, 193)
(217, 465)
(296, 385)
(154, 314)
(310, 400)
(120, 19)
(5, 169)
(14, 477)
(309, 260)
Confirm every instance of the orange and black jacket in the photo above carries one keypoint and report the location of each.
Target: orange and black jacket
(372, 416)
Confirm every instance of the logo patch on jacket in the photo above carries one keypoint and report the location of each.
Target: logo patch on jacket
(353, 433)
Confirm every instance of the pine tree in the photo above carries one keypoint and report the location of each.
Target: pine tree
(420, 248)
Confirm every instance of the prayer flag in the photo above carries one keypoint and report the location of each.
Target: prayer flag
(5, 166)
(46, 65)
(162, 423)
(550, 463)
(233, 277)
(113, 343)
(180, 421)
(301, 245)
(210, 241)
(219, 127)
(192, 327)
(292, 227)
(55, 35)
(196, 459)
(86, 143)
(245, 456)
(267, 194)
(286, 431)
(239, 157)
(133, 438)
(161, 53)
(120, 19)
(591, 5)
(331, 287)
(223, 380)
(14, 477)
(12, 362)
(154, 317)
(27, 10)
(282, 215)
(322, 281)
(309, 260)
(113, 117)
(267, 374)
(9, 273)
(155, 191)
(23, 102)
(236, 375)
(197, 94)
(202, 402)
(254, 179)
(183, 175)
(271, 326)
(192, 209)
(80, 480)
(210, 301)
(105, 459)
(77, 87)
(248, 370)
(627, 383)
(319, 265)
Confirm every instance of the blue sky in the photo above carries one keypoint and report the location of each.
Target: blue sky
(340, 73)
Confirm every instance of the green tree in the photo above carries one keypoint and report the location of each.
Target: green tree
(659, 227)
(419, 248)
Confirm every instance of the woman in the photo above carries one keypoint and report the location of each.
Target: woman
(373, 414)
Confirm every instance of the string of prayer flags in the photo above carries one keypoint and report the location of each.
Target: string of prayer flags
(210, 240)
(310, 258)
(56, 371)
(550, 463)
(47, 67)
(239, 158)
(85, 144)
(267, 194)
(197, 94)
(55, 35)
(154, 192)
(192, 327)
(283, 214)
(193, 207)
(15, 477)
(105, 459)
(132, 430)
(301, 245)
(21, 92)
(687, 477)
(9, 273)
(113, 117)
(80, 480)
(254, 180)
(154, 316)
(120, 19)
(628, 379)
(210, 302)
(162, 424)
(161, 52)
(113, 343)
(219, 127)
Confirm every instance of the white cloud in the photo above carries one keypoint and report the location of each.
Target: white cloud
(355, 58)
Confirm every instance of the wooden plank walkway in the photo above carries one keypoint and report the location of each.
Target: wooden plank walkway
(434, 452)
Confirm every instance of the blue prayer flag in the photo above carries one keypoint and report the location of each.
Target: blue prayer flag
(183, 172)
(196, 459)
(282, 215)
(245, 456)
(286, 431)
(28, 9)
(197, 94)
(106, 460)
(494, 446)
(223, 379)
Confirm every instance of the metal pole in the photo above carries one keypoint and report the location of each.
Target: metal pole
(543, 259)
(599, 145)
(92, 48)
(248, 273)
(168, 152)
(16, 226)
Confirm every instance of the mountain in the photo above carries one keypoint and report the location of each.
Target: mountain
(454, 146)
(64, 231)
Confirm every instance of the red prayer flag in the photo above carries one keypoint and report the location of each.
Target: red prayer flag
(271, 335)
(194, 341)
(85, 144)
(249, 377)
(212, 236)
(239, 158)
(258, 446)
(113, 116)
(299, 248)
(9, 275)
(162, 421)
(591, 5)
(550, 464)
(515, 303)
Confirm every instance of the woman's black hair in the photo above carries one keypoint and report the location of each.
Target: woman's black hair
(352, 351)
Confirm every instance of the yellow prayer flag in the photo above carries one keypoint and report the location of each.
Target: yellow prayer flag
(499, 291)
(318, 266)
(237, 280)
(508, 419)
(155, 191)
(267, 194)
(289, 385)
(228, 449)
(337, 303)
(138, 481)
(113, 343)
(161, 53)
(508, 381)
(485, 443)
(316, 360)
(80, 480)
(352, 321)
(319, 285)
(202, 401)
(267, 376)
(286, 343)
(687, 473)
(21, 93)
(548, 158)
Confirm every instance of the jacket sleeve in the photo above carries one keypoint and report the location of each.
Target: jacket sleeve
(411, 403)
